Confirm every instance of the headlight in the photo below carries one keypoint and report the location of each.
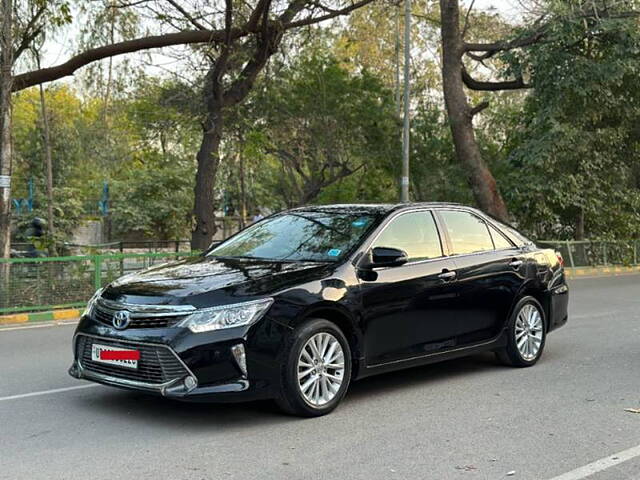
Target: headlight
(226, 316)
(92, 302)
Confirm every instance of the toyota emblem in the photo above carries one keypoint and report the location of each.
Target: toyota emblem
(121, 319)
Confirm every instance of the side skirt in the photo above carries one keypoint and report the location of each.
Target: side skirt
(488, 345)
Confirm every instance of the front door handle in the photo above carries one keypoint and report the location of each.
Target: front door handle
(515, 264)
(447, 276)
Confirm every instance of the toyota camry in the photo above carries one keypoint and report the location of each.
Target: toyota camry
(302, 303)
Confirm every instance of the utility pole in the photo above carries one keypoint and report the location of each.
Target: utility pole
(397, 62)
(405, 130)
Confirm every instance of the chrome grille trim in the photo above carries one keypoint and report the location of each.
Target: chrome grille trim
(140, 310)
(169, 374)
(142, 316)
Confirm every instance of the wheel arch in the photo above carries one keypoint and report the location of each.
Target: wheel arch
(541, 295)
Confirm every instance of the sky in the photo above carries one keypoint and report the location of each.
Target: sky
(59, 49)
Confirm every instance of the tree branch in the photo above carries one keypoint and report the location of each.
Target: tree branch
(474, 84)
(322, 18)
(478, 108)
(186, 15)
(188, 37)
(31, 31)
(466, 19)
(490, 49)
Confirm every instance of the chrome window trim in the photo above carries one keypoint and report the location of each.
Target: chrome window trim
(434, 210)
(123, 381)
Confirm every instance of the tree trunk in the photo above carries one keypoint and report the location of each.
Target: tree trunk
(6, 65)
(217, 98)
(481, 181)
(49, 170)
(243, 190)
(208, 161)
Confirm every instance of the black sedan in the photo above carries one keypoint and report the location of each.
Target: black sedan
(300, 304)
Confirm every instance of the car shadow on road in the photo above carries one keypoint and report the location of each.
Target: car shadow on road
(426, 375)
(147, 409)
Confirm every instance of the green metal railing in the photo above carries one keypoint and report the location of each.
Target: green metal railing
(30, 284)
(595, 253)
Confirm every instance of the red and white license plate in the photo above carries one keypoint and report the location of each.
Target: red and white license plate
(122, 357)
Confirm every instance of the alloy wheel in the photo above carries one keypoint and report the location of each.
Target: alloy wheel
(529, 331)
(321, 366)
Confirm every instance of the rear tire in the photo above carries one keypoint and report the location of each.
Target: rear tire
(316, 370)
(526, 333)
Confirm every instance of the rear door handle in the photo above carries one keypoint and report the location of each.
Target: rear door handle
(447, 276)
(515, 263)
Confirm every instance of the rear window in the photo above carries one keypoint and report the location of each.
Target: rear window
(467, 232)
(499, 240)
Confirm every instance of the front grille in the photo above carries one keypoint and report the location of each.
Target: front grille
(106, 317)
(157, 364)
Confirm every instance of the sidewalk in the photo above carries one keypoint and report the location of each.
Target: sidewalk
(600, 271)
(53, 316)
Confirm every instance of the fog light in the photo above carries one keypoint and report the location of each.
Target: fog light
(190, 383)
(241, 357)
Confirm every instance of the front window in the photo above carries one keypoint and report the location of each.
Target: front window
(314, 235)
(415, 233)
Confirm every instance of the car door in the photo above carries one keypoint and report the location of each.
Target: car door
(406, 307)
(490, 273)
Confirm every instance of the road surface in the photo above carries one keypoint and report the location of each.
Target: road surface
(463, 419)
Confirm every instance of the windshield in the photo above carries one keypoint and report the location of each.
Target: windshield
(319, 236)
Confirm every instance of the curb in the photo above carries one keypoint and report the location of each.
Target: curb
(53, 316)
(599, 271)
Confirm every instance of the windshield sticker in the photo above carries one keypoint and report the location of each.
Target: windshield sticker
(360, 222)
(334, 252)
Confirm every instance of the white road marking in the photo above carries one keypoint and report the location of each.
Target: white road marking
(600, 465)
(57, 323)
(47, 392)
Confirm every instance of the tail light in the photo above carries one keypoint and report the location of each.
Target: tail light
(560, 259)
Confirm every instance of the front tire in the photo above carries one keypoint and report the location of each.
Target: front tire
(526, 335)
(316, 371)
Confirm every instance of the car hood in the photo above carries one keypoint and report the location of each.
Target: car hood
(204, 282)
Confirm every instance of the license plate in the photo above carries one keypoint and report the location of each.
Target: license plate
(123, 357)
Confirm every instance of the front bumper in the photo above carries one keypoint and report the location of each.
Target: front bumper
(179, 364)
(161, 370)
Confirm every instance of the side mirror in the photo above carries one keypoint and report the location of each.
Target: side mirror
(387, 257)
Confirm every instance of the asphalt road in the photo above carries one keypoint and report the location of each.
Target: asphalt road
(463, 419)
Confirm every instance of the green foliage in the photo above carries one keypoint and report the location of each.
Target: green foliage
(154, 198)
(575, 150)
(321, 125)
(317, 127)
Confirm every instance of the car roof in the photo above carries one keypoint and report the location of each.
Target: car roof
(381, 208)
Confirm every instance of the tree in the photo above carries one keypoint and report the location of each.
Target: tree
(22, 24)
(482, 182)
(590, 16)
(6, 69)
(578, 138)
(321, 124)
(253, 30)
